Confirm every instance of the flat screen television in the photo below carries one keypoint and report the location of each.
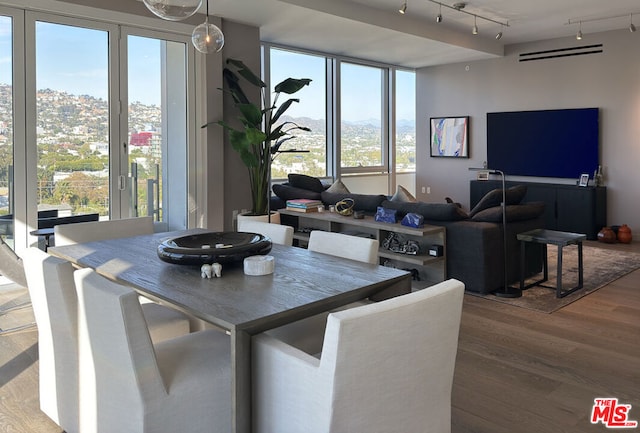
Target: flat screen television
(544, 143)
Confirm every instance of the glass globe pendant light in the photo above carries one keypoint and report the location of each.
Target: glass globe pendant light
(173, 10)
(206, 37)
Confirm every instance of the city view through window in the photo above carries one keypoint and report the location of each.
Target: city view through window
(362, 115)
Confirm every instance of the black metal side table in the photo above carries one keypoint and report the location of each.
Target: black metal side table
(553, 237)
(47, 234)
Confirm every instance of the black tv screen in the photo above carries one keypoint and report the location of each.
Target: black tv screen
(545, 143)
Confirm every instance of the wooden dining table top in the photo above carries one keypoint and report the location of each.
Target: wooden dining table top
(303, 282)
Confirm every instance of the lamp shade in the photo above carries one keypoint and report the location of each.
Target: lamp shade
(207, 38)
(173, 10)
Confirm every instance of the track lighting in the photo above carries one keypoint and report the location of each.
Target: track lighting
(475, 26)
(403, 8)
(632, 28)
(499, 34)
(579, 35)
(439, 16)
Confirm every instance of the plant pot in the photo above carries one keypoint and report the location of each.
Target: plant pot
(275, 217)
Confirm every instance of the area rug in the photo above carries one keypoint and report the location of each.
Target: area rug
(601, 267)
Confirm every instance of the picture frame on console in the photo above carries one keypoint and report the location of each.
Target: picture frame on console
(449, 137)
(584, 179)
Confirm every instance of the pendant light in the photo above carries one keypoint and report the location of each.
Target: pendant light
(173, 10)
(579, 35)
(439, 16)
(632, 28)
(475, 26)
(206, 37)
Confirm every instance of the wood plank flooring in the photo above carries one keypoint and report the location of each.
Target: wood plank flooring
(516, 371)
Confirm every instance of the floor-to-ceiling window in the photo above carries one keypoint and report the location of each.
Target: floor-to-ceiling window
(362, 111)
(368, 123)
(310, 111)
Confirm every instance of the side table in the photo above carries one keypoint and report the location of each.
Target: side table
(47, 233)
(552, 237)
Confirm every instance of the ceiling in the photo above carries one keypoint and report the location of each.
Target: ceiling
(374, 30)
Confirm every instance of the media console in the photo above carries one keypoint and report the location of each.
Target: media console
(568, 208)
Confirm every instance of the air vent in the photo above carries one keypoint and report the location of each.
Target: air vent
(562, 52)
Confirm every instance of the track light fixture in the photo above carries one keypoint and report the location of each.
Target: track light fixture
(499, 34)
(459, 7)
(579, 21)
(403, 8)
(579, 35)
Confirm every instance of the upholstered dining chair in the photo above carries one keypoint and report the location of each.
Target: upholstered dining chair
(55, 304)
(91, 231)
(129, 384)
(279, 234)
(345, 246)
(383, 367)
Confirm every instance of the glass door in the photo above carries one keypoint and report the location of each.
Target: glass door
(157, 128)
(6, 130)
(72, 119)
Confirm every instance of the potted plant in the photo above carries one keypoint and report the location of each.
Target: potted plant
(259, 139)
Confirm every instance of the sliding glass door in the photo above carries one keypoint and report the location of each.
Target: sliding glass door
(103, 123)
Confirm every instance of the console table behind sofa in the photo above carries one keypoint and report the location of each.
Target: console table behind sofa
(568, 208)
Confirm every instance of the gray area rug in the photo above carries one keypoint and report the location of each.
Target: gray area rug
(601, 267)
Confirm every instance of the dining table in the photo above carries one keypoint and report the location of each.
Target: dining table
(304, 283)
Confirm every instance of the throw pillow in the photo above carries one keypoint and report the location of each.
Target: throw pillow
(513, 213)
(363, 202)
(287, 192)
(430, 211)
(513, 195)
(338, 187)
(306, 182)
(403, 196)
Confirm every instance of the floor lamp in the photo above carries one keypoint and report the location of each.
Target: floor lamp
(505, 291)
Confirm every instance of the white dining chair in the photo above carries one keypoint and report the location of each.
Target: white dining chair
(129, 384)
(67, 234)
(383, 367)
(278, 233)
(345, 246)
(53, 294)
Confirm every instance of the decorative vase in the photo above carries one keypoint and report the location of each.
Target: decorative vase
(624, 234)
(607, 235)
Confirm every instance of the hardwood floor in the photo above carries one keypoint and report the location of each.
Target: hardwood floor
(516, 371)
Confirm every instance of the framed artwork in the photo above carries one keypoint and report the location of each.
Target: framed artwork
(449, 137)
(584, 179)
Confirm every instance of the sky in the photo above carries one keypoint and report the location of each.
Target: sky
(75, 60)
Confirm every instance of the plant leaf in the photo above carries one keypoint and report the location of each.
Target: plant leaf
(284, 107)
(246, 73)
(291, 85)
(251, 113)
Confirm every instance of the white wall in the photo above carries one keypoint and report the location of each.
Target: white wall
(610, 81)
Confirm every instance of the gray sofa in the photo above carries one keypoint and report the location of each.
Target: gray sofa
(475, 253)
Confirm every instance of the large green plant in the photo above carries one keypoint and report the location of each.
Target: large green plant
(261, 135)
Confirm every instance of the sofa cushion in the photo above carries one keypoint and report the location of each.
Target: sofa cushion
(403, 196)
(514, 213)
(306, 182)
(430, 211)
(513, 195)
(363, 202)
(338, 187)
(286, 192)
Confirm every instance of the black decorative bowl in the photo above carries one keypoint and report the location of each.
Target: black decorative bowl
(210, 247)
